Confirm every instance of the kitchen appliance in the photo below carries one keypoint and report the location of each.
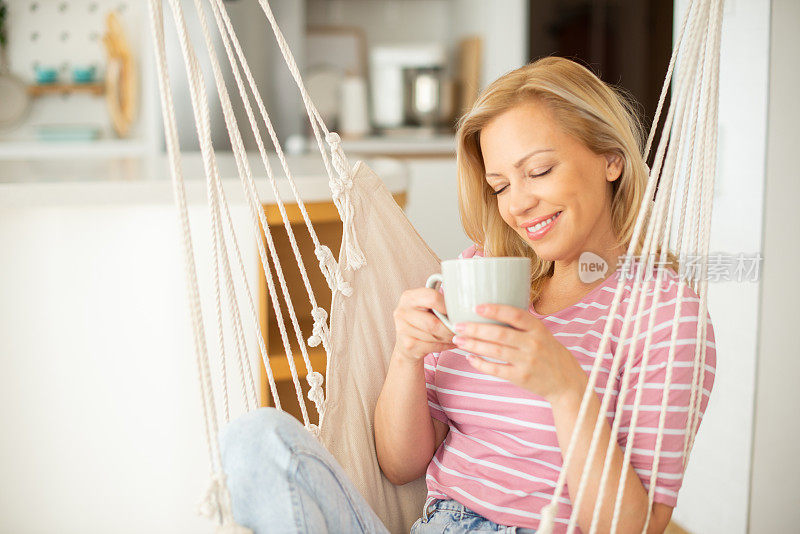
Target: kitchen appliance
(429, 96)
(390, 86)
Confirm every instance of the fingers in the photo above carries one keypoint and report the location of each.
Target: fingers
(491, 350)
(420, 332)
(424, 297)
(414, 308)
(426, 335)
(499, 334)
(500, 370)
(419, 343)
(510, 315)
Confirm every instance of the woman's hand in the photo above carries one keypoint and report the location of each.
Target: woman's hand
(418, 331)
(536, 360)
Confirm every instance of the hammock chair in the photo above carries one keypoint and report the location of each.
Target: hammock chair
(382, 255)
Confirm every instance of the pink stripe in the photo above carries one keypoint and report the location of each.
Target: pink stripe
(502, 457)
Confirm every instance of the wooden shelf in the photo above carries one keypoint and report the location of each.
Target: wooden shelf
(97, 89)
(279, 364)
(328, 227)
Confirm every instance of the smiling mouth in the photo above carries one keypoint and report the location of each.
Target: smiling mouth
(536, 227)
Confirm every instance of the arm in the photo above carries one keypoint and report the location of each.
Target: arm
(406, 436)
(633, 511)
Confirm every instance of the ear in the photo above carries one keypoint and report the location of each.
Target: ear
(614, 165)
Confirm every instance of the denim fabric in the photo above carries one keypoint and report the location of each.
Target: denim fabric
(281, 479)
(449, 516)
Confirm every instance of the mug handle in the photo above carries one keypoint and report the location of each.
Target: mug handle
(431, 283)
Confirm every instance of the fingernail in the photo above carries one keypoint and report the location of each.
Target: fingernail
(460, 327)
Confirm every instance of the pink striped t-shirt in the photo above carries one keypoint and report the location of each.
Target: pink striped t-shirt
(501, 457)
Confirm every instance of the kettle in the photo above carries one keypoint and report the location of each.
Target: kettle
(428, 96)
(396, 70)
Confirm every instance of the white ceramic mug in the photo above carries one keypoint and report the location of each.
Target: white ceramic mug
(467, 282)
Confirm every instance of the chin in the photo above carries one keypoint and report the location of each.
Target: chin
(546, 251)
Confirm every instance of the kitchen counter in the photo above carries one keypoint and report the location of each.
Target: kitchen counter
(402, 145)
(119, 180)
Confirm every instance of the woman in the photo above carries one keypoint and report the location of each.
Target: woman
(550, 167)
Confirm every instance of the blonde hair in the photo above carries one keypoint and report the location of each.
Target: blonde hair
(602, 117)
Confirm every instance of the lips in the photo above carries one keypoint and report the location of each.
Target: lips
(538, 220)
(537, 231)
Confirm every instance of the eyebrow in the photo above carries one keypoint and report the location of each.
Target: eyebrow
(523, 159)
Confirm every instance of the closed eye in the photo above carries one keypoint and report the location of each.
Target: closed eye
(530, 176)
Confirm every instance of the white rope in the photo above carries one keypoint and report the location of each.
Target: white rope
(691, 110)
(329, 266)
(243, 167)
(339, 185)
(320, 332)
(167, 109)
(216, 505)
(612, 443)
(243, 355)
(549, 511)
(709, 175)
(216, 244)
(648, 251)
(202, 122)
(697, 167)
(179, 190)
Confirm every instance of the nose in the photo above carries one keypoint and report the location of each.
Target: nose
(521, 203)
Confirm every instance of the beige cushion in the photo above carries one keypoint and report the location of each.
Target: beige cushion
(362, 339)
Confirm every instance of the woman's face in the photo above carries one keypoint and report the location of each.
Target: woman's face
(541, 172)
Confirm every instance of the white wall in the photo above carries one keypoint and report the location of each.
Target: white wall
(100, 406)
(432, 205)
(504, 27)
(774, 494)
(714, 496)
(501, 23)
(63, 39)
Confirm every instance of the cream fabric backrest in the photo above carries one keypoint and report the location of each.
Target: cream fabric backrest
(362, 339)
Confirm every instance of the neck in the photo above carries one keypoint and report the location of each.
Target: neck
(566, 272)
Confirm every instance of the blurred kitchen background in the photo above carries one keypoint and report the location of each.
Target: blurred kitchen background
(100, 412)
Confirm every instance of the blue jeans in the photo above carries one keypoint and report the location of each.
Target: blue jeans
(281, 479)
(453, 517)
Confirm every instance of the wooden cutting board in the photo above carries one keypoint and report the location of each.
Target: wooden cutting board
(470, 52)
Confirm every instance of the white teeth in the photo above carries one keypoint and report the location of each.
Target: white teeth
(542, 224)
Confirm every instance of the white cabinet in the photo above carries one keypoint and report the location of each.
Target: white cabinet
(433, 205)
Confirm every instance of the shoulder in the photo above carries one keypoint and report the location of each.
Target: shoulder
(678, 306)
(471, 251)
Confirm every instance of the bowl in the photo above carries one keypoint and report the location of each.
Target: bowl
(46, 75)
(83, 74)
